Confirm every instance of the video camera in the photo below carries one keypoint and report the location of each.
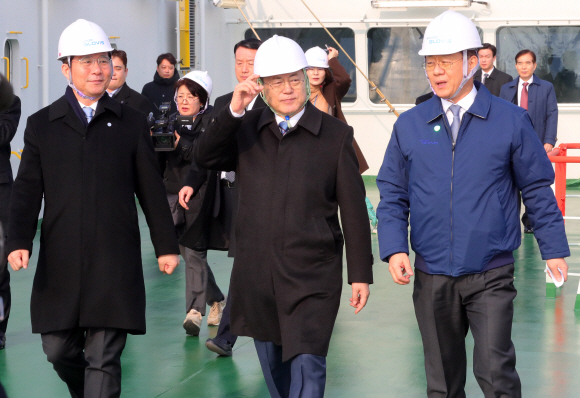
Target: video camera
(163, 128)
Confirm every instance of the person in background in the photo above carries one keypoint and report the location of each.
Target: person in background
(216, 233)
(87, 156)
(192, 94)
(161, 89)
(456, 164)
(329, 83)
(9, 120)
(296, 168)
(538, 97)
(491, 77)
(118, 88)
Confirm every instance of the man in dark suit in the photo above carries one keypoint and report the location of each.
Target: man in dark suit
(9, 119)
(491, 77)
(118, 88)
(88, 156)
(538, 97)
(287, 276)
(244, 53)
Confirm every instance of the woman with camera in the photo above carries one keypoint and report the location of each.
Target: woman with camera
(192, 98)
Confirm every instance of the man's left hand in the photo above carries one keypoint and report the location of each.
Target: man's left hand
(556, 263)
(548, 147)
(360, 295)
(168, 262)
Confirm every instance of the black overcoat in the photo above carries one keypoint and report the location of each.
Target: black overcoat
(89, 271)
(126, 95)
(287, 274)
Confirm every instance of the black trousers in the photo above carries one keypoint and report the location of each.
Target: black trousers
(224, 331)
(446, 308)
(5, 191)
(87, 360)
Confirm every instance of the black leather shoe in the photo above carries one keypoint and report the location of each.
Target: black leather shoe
(528, 230)
(219, 346)
(2, 341)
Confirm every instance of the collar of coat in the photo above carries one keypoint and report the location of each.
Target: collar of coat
(61, 108)
(480, 107)
(514, 83)
(310, 121)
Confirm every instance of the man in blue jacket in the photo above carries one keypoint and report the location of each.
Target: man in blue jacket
(538, 97)
(455, 163)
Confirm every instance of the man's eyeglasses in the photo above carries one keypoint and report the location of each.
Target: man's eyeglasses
(445, 65)
(87, 62)
(278, 86)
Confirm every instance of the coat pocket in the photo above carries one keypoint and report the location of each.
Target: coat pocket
(326, 238)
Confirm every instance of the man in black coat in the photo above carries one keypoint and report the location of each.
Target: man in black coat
(224, 199)
(162, 89)
(9, 119)
(88, 156)
(295, 167)
(118, 88)
(491, 77)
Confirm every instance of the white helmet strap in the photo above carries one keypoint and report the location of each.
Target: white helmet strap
(467, 75)
(71, 84)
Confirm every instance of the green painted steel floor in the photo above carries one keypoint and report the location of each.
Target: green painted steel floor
(377, 353)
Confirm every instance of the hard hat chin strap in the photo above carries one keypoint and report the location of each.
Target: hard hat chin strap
(466, 75)
(71, 84)
(287, 117)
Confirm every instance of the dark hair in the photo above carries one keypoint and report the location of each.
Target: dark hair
(524, 52)
(487, 46)
(120, 54)
(471, 53)
(169, 57)
(195, 89)
(250, 44)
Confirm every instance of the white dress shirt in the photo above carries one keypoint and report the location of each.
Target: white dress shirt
(521, 86)
(465, 104)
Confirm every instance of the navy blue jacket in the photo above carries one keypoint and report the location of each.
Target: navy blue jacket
(542, 107)
(463, 198)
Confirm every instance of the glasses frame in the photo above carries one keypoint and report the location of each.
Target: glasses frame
(440, 64)
(84, 62)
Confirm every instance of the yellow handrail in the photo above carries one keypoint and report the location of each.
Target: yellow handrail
(16, 154)
(26, 59)
(7, 68)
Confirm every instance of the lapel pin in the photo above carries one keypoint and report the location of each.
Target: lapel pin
(109, 124)
(437, 128)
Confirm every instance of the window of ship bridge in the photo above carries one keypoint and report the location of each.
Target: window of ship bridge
(395, 65)
(557, 51)
(311, 37)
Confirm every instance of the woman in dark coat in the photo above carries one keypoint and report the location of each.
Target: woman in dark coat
(329, 83)
(192, 98)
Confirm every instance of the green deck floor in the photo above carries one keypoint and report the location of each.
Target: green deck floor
(377, 353)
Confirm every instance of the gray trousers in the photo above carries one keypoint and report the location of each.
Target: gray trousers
(87, 360)
(200, 285)
(446, 308)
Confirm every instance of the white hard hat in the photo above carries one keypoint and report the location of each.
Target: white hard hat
(317, 57)
(201, 78)
(277, 56)
(449, 33)
(82, 38)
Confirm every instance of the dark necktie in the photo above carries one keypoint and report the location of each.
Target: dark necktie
(456, 121)
(89, 112)
(486, 76)
(283, 127)
(524, 97)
